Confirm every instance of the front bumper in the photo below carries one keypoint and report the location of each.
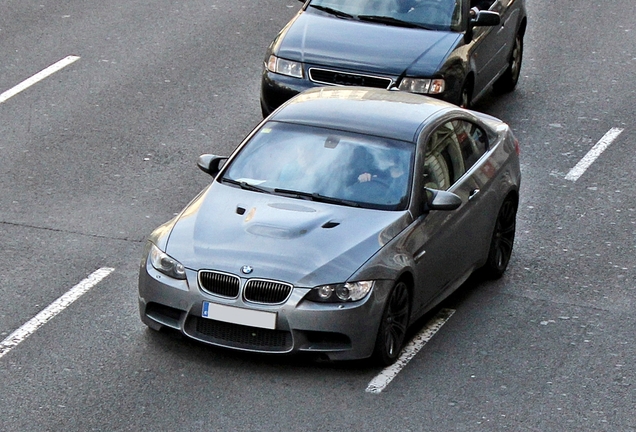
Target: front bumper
(341, 331)
(277, 89)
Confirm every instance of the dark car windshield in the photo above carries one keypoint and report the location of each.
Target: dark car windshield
(326, 165)
(429, 14)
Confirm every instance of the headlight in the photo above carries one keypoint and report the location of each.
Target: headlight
(285, 67)
(339, 293)
(422, 85)
(166, 264)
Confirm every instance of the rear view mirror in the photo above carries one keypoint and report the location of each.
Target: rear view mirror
(211, 164)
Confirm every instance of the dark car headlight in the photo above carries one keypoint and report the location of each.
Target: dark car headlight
(165, 264)
(284, 67)
(339, 293)
(422, 85)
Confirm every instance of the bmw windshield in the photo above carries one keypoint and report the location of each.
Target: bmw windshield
(326, 165)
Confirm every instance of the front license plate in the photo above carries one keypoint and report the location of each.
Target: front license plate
(234, 315)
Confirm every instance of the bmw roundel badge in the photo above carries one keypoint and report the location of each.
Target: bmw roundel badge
(247, 269)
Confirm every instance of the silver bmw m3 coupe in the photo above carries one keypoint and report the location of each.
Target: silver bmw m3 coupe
(341, 219)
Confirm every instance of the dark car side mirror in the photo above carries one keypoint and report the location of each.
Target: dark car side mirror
(479, 18)
(441, 200)
(211, 164)
(485, 19)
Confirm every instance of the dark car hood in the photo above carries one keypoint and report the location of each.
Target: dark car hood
(366, 47)
(302, 242)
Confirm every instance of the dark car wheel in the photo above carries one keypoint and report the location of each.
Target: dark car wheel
(508, 81)
(393, 327)
(502, 241)
(465, 96)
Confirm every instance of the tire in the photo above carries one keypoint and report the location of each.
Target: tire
(465, 96)
(502, 241)
(392, 331)
(508, 81)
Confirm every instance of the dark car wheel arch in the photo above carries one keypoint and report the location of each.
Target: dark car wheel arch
(502, 237)
(398, 307)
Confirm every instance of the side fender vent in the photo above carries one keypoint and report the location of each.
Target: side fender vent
(331, 224)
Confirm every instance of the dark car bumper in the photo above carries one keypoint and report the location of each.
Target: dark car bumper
(277, 89)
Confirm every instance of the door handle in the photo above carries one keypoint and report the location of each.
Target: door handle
(473, 193)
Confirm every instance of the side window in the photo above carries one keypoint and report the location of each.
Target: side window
(472, 140)
(443, 160)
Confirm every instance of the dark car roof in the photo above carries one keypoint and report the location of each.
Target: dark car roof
(387, 113)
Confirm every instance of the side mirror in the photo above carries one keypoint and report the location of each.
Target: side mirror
(441, 200)
(211, 164)
(485, 19)
(479, 18)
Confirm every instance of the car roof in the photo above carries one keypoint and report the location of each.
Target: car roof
(386, 113)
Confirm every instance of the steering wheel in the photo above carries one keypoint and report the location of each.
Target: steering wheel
(372, 191)
(379, 181)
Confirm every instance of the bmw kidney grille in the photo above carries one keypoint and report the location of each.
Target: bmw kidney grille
(221, 284)
(255, 290)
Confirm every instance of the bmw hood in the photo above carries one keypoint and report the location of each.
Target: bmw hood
(302, 242)
(366, 47)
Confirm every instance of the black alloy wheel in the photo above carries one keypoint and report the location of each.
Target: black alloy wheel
(394, 324)
(502, 241)
(508, 81)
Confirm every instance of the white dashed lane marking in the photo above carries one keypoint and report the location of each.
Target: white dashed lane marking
(38, 77)
(593, 154)
(380, 382)
(53, 309)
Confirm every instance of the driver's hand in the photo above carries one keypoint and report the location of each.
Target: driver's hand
(364, 177)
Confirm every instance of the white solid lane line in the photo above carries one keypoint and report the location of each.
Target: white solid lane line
(594, 153)
(38, 77)
(53, 309)
(380, 382)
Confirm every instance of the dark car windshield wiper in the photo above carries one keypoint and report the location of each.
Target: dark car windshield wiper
(316, 197)
(245, 185)
(391, 21)
(332, 11)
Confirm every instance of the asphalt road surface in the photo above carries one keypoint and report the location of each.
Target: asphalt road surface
(100, 152)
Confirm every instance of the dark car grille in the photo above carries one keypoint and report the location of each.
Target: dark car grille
(239, 336)
(324, 76)
(262, 291)
(219, 283)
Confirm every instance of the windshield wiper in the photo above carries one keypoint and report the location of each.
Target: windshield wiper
(332, 11)
(391, 21)
(316, 197)
(246, 186)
